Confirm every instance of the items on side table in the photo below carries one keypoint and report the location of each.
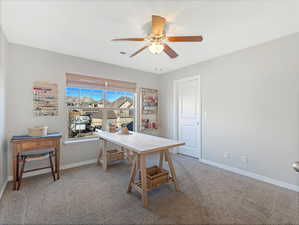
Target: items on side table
(124, 130)
(38, 131)
(112, 128)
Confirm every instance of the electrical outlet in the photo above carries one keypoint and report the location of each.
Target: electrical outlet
(244, 159)
(227, 155)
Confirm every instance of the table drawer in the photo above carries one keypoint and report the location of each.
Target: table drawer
(37, 145)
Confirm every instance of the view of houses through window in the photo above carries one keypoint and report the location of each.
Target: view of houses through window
(91, 110)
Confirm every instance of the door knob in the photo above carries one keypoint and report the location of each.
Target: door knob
(296, 166)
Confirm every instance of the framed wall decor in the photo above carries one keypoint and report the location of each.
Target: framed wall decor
(149, 111)
(45, 99)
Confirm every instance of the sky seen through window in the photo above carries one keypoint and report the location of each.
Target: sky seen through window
(97, 94)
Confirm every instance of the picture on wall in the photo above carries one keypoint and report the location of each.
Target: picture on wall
(149, 110)
(45, 99)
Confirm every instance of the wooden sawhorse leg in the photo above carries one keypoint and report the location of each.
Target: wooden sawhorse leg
(100, 153)
(57, 161)
(129, 155)
(133, 173)
(161, 159)
(172, 170)
(144, 195)
(15, 170)
(102, 158)
(139, 161)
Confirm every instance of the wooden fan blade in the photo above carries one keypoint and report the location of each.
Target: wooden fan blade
(128, 39)
(140, 50)
(170, 52)
(185, 38)
(158, 25)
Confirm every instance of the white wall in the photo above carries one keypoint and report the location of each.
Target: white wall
(27, 65)
(3, 70)
(3, 151)
(251, 98)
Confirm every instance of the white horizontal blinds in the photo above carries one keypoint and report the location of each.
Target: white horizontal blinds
(82, 81)
(116, 85)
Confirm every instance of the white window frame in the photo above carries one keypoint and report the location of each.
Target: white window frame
(70, 140)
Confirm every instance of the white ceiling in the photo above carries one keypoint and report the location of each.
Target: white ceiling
(84, 28)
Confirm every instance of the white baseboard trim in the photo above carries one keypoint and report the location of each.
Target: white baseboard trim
(82, 163)
(74, 141)
(3, 188)
(63, 167)
(252, 175)
(218, 165)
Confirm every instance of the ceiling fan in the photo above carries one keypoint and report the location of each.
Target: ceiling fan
(157, 38)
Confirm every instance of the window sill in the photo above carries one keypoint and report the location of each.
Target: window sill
(78, 140)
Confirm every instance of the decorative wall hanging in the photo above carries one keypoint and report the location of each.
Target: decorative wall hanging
(45, 99)
(149, 110)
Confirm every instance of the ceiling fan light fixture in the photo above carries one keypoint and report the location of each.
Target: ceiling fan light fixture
(156, 48)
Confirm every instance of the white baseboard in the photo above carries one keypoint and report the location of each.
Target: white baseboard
(221, 166)
(253, 175)
(3, 188)
(82, 163)
(63, 167)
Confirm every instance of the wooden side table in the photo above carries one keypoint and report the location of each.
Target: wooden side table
(27, 143)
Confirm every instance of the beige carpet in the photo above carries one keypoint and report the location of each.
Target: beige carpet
(88, 195)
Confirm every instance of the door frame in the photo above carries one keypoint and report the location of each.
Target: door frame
(175, 131)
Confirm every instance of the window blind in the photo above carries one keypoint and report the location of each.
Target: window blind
(82, 81)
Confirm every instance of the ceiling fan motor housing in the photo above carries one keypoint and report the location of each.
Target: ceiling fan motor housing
(156, 38)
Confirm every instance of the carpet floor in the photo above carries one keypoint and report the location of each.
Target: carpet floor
(88, 195)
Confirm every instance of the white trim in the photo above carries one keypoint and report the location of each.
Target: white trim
(218, 165)
(78, 164)
(68, 166)
(3, 188)
(175, 133)
(71, 141)
(252, 175)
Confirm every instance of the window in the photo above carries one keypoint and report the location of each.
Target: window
(85, 98)
(98, 104)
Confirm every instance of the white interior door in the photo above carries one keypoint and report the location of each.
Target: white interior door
(188, 113)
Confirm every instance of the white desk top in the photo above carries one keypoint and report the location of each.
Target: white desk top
(140, 143)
